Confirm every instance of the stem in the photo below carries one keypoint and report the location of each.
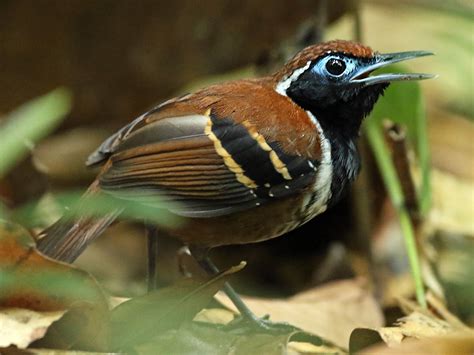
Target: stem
(410, 244)
(394, 190)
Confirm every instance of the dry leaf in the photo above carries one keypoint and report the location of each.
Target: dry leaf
(31, 281)
(419, 324)
(453, 204)
(459, 344)
(331, 311)
(21, 327)
(451, 137)
(416, 325)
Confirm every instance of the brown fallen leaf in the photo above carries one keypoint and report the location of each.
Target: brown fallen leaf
(459, 344)
(33, 282)
(453, 204)
(330, 312)
(21, 327)
(418, 324)
(448, 249)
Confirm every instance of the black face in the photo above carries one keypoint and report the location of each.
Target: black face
(338, 89)
(330, 79)
(330, 90)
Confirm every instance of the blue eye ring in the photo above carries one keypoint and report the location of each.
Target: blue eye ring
(335, 67)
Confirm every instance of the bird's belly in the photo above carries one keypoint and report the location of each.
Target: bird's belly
(313, 204)
(251, 226)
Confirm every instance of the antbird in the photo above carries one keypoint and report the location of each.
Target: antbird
(243, 161)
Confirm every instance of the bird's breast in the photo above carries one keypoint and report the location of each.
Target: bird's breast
(317, 197)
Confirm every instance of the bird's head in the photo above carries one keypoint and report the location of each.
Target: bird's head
(333, 81)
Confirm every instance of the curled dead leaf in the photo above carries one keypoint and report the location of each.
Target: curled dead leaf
(458, 343)
(21, 327)
(420, 324)
(34, 283)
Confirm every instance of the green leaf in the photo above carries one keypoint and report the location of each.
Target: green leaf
(200, 338)
(29, 123)
(75, 205)
(142, 318)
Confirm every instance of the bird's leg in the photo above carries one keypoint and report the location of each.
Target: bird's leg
(263, 324)
(207, 264)
(152, 259)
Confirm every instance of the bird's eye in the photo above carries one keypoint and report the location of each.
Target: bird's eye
(335, 66)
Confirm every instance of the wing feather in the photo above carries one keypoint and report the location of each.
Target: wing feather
(201, 164)
(174, 160)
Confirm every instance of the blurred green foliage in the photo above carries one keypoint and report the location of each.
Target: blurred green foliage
(29, 123)
(75, 204)
(33, 121)
(141, 319)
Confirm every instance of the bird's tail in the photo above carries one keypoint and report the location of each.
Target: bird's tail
(66, 239)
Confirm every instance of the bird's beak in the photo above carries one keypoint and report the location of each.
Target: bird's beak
(361, 75)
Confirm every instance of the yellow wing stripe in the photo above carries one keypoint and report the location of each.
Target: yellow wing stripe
(274, 158)
(228, 160)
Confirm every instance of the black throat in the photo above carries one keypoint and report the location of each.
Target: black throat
(344, 154)
(341, 123)
(342, 117)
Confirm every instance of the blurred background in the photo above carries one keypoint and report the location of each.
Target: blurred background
(121, 57)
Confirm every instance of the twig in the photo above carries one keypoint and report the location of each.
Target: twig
(395, 136)
(440, 308)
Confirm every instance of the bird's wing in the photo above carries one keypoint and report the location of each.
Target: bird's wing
(206, 163)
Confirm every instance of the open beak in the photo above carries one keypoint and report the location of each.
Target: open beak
(361, 76)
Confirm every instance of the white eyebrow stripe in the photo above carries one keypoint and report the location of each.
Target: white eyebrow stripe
(283, 85)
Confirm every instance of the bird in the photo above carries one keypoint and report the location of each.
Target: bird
(243, 161)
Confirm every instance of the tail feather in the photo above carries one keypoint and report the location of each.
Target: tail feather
(66, 239)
